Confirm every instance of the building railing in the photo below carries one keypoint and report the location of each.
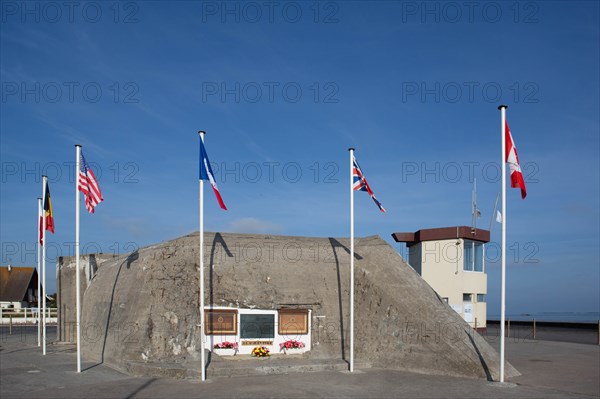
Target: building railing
(26, 315)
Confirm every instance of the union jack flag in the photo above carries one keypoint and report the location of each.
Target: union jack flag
(360, 183)
(88, 185)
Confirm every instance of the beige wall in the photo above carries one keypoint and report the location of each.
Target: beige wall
(441, 265)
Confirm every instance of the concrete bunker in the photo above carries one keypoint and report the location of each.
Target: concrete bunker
(143, 307)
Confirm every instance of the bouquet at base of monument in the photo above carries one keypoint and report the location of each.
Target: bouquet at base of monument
(260, 351)
(226, 345)
(291, 344)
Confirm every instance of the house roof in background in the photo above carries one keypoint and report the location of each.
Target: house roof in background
(14, 282)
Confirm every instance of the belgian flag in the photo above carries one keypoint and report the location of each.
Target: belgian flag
(47, 213)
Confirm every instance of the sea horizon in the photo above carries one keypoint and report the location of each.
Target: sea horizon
(578, 317)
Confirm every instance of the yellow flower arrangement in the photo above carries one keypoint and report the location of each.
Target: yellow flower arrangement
(260, 351)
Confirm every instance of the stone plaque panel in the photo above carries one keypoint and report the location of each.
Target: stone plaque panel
(293, 321)
(220, 322)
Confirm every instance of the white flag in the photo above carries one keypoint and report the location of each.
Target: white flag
(498, 217)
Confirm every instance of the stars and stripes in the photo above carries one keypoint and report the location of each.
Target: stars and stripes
(206, 173)
(88, 185)
(360, 183)
(516, 175)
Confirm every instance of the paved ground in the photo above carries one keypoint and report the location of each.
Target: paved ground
(569, 367)
(548, 333)
(550, 370)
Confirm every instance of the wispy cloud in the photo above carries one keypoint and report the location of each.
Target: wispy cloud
(253, 225)
(136, 228)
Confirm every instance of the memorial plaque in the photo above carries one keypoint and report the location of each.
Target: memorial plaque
(254, 342)
(293, 321)
(223, 321)
(259, 326)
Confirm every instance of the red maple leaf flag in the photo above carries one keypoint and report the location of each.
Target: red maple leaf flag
(516, 175)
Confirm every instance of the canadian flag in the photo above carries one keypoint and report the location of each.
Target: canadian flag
(516, 175)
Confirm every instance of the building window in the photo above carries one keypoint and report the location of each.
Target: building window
(473, 258)
(480, 297)
(467, 297)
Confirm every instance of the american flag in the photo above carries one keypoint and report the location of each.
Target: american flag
(360, 183)
(88, 185)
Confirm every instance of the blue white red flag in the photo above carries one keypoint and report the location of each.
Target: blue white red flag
(206, 173)
(360, 183)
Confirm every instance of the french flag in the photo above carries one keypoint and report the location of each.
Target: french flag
(516, 175)
(206, 173)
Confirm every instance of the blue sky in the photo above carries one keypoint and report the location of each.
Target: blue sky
(283, 91)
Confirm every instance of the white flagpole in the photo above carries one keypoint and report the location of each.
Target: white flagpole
(77, 271)
(502, 109)
(202, 356)
(44, 224)
(494, 212)
(39, 277)
(351, 261)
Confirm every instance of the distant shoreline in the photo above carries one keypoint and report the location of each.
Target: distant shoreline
(557, 317)
(587, 325)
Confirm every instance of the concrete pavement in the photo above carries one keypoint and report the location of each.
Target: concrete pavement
(569, 367)
(550, 370)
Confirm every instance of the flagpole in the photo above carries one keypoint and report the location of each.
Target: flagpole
(502, 109)
(77, 271)
(494, 212)
(44, 225)
(202, 356)
(474, 204)
(39, 277)
(351, 261)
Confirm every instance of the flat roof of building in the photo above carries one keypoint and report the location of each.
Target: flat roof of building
(442, 233)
